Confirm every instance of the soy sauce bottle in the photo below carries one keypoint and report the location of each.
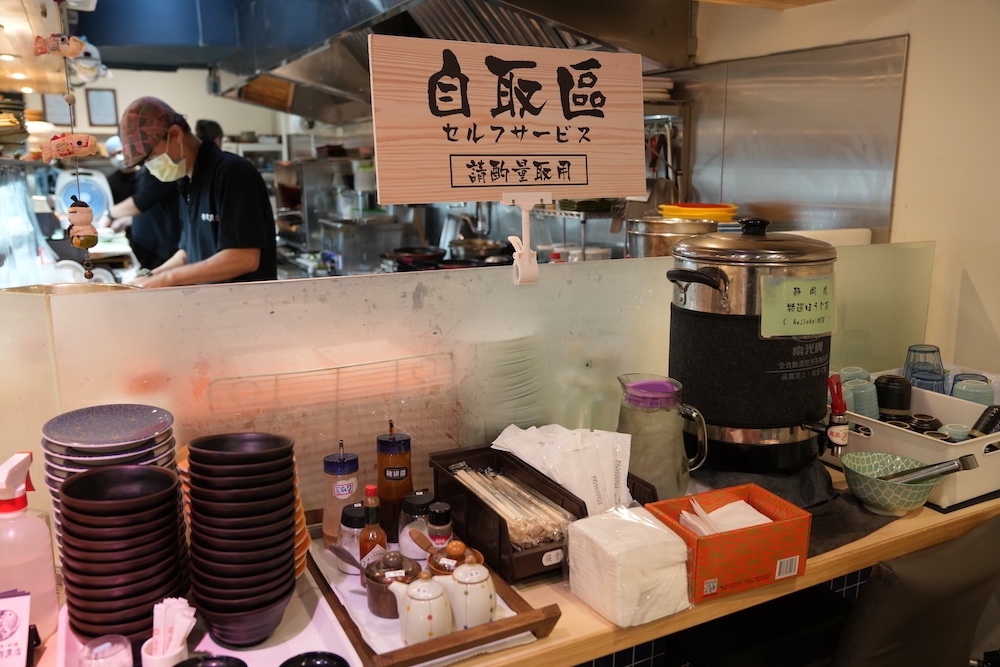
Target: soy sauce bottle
(394, 479)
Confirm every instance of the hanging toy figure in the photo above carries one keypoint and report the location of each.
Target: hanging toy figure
(69, 145)
(64, 45)
(81, 231)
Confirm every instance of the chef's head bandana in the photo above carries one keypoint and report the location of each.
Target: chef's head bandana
(144, 123)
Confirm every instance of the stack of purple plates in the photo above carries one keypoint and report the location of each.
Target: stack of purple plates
(104, 435)
(242, 492)
(123, 548)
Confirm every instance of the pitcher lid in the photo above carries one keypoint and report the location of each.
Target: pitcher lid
(653, 393)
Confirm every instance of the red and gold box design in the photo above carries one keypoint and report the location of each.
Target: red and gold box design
(738, 560)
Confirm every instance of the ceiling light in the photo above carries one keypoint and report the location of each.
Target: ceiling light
(19, 75)
(7, 56)
(27, 89)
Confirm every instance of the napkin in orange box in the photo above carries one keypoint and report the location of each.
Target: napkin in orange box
(742, 559)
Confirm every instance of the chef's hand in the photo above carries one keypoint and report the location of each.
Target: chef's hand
(146, 278)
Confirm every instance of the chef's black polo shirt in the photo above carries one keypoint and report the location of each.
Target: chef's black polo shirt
(226, 206)
(156, 230)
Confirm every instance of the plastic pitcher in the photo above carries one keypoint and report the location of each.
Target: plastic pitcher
(651, 412)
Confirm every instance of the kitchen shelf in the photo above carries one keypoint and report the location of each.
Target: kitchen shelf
(583, 216)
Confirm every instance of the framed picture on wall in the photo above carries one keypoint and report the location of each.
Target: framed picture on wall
(55, 110)
(102, 109)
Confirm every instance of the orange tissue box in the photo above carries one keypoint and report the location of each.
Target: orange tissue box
(742, 559)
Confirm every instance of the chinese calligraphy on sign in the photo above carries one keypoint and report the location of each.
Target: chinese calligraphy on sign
(797, 306)
(458, 121)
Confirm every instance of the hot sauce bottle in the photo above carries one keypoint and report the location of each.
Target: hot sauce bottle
(372, 540)
(394, 480)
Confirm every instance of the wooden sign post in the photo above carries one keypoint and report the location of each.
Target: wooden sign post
(457, 121)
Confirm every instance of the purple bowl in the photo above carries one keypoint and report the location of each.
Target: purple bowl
(119, 552)
(284, 464)
(109, 545)
(115, 599)
(223, 483)
(156, 573)
(240, 448)
(268, 492)
(106, 533)
(247, 557)
(125, 615)
(267, 520)
(144, 625)
(246, 628)
(237, 601)
(104, 567)
(130, 519)
(263, 531)
(236, 583)
(283, 562)
(285, 536)
(243, 509)
(118, 490)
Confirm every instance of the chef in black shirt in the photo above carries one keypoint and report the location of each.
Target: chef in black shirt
(228, 230)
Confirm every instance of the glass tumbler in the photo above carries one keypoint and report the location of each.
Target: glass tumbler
(926, 360)
(928, 380)
(106, 651)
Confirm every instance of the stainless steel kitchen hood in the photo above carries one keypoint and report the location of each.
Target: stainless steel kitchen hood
(310, 57)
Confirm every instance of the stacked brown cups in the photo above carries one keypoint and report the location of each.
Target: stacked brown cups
(242, 493)
(122, 548)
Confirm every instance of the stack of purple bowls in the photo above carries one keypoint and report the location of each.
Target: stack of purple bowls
(122, 548)
(242, 493)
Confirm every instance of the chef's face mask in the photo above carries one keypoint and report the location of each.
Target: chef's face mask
(165, 169)
(118, 161)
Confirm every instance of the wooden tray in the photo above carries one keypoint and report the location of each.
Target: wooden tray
(539, 622)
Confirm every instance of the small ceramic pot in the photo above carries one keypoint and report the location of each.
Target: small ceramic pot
(392, 566)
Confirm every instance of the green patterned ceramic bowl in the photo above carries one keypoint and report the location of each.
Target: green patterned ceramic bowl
(891, 498)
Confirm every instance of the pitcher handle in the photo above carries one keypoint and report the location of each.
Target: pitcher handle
(699, 422)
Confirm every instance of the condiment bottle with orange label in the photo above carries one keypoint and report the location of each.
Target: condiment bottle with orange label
(340, 474)
(372, 541)
(394, 479)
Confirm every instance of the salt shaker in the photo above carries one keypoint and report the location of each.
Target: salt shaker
(414, 516)
(352, 521)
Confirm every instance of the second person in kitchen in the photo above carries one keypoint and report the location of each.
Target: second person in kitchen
(228, 227)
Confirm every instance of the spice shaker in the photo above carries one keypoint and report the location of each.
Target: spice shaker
(340, 474)
(394, 480)
(352, 522)
(413, 516)
(439, 524)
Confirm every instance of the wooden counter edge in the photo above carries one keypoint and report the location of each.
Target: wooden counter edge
(583, 635)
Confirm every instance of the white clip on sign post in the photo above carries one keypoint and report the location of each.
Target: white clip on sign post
(457, 121)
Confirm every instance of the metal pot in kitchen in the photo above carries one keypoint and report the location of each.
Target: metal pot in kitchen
(750, 327)
(655, 236)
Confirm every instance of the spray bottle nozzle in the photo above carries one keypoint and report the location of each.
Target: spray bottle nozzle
(15, 482)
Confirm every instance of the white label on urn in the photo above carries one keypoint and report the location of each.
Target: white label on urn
(552, 557)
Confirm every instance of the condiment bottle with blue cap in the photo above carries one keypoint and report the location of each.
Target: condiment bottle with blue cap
(394, 478)
(340, 473)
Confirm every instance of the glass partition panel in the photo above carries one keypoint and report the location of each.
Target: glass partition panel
(452, 357)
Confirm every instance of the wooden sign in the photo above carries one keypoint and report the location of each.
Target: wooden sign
(456, 121)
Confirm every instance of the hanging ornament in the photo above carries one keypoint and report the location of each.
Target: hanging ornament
(84, 61)
(81, 229)
(65, 45)
(86, 67)
(67, 145)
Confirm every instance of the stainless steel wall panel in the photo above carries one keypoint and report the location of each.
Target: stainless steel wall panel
(807, 139)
